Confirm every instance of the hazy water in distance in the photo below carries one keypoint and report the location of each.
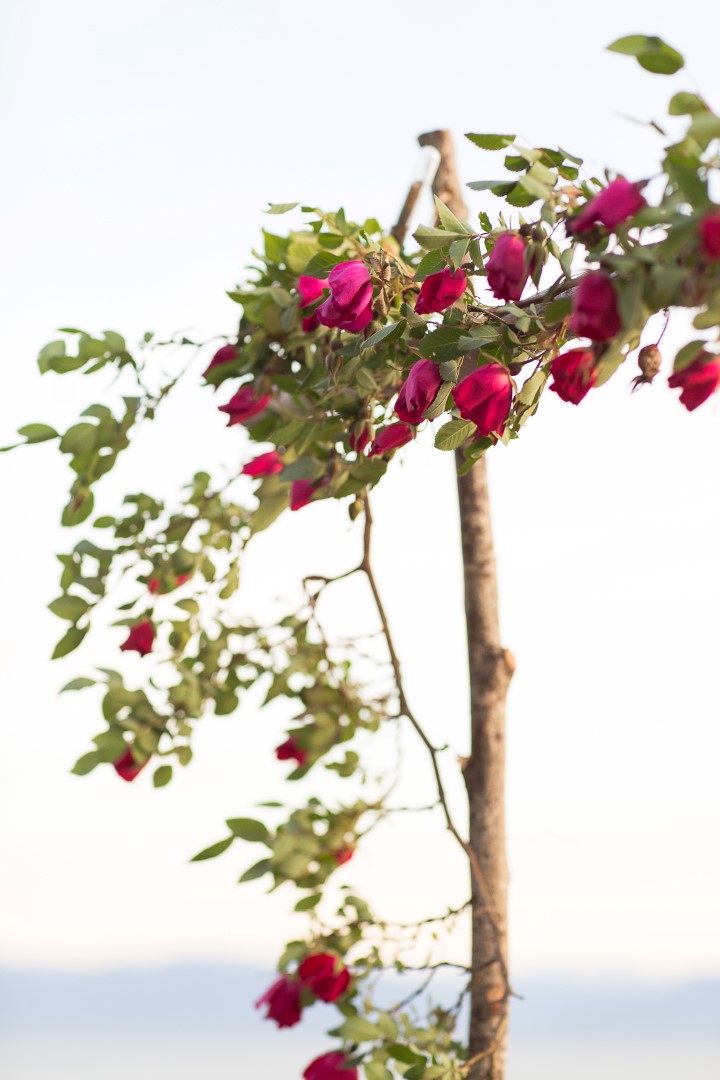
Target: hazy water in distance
(180, 1059)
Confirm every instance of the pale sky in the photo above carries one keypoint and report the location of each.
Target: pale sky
(143, 144)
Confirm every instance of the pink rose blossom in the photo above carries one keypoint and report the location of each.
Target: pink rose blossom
(574, 374)
(616, 203)
(439, 291)
(698, 381)
(508, 267)
(390, 438)
(418, 392)
(595, 312)
(349, 305)
(485, 397)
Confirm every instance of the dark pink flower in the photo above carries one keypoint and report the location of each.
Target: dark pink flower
(595, 312)
(390, 438)
(508, 267)
(418, 391)
(127, 767)
(698, 381)
(290, 751)
(610, 207)
(334, 1066)
(264, 465)
(574, 373)
(349, 305)
(310, 289)
(325, 975)
(485, 397)
(140, 639)
(439, 291)
(224, 355)
(244, 404)
(283, 1001)
(710, 235)
(302, 491)
(359, 437)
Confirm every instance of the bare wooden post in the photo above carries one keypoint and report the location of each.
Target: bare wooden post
(490, 670)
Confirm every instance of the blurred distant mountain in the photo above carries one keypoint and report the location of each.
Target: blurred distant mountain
(201, 999)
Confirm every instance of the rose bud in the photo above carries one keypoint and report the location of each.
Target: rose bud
(574, 373)
(595, 312)
(698, 381)
(283, 1001)
(508, 267)
(244, 404)
(302, 491)
(349, 305)
(153, 585)
(610, 207)
(127, 767)
(140, 639)
(318, 972)
(333, 1066)
(710, 235)
(310, 289)
(359, 437)
(390, 438)
(418, 391)
(343, 855)
(439, 291)
(485, 397)
(224, 355)
(290, 751)
(264, 465)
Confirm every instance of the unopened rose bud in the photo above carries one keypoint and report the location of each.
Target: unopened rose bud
(333, 364)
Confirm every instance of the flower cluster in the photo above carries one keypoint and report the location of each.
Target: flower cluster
(320, 977)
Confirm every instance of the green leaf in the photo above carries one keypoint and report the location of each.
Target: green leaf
(389, 333)
(687, 354)
(652, 53)
(213, 850)
(270, 508)
(69, 642)
(87, 763)
(280, 207)
(398, 1052)
(454, 434)
(321, 264)
(374, 1070)
(162, 776)
(77, 684)
(432, 262)
(307, 903)
(69, 607)
(491, 142)
(433, 239)
(355, 1029)
(248, 829)
(36, 433)
(256, 871)
(448, 219)
(683, 104)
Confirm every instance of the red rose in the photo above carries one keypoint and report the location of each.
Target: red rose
(334, 1066)
(290, 751)
(485, 397)
(418, 391)
(508, 267)
(244, 404)
(390, 438)
(223, 356)
(574, 373)
(283, 1001)
(310, 289)
(127, 767)
(140, 639)
(264, 465)
(610, 207)
(439, 291)
(710, 235)
(349, 305)
(343, 855)
(595, 312)
(302, 491)
(698, 381)
(318, 972)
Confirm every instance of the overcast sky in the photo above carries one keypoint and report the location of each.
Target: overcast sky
(141, 144)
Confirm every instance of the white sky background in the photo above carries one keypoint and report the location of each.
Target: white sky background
(141, 144)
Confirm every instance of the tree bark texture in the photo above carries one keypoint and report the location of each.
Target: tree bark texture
(490, 671)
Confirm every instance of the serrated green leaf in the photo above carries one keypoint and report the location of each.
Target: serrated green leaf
(453, 434)
(387, 334)
(651, 52)
(280, 208)
(491, 142)
(448, 220)
(322, 263)
(432, 262)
